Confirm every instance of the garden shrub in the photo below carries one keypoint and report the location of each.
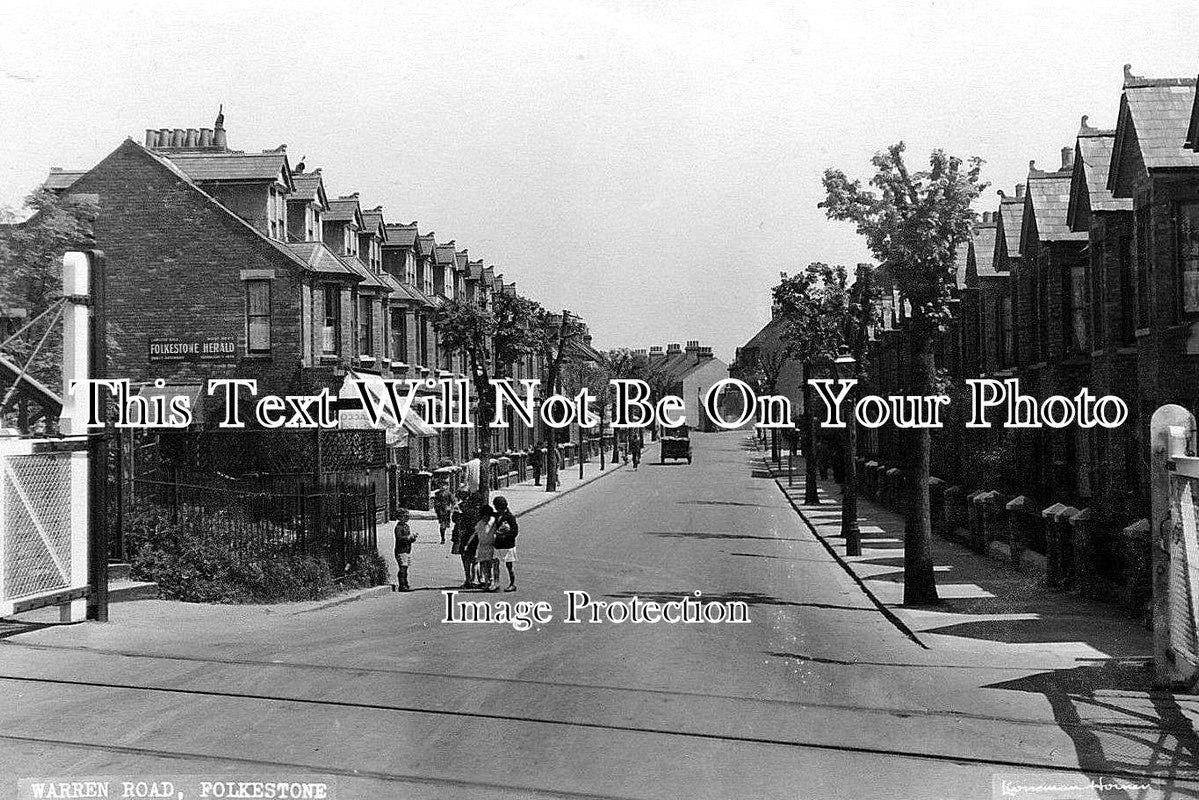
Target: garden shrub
(205, 557)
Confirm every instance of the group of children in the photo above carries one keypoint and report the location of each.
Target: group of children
(482, 534)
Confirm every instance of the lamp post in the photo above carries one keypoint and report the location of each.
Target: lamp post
(810, 496)
(846, 368)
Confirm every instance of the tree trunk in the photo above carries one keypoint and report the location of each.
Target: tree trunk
(483, 435)
(811, 497)
(919, 583)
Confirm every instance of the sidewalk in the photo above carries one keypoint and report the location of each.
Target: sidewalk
(987, 608)
(432, 562)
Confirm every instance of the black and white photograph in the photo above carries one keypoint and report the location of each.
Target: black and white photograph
(599, 400)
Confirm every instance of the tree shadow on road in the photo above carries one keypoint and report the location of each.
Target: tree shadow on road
(749, 598)
(722, 535)
(1137, 732)
(723, 503)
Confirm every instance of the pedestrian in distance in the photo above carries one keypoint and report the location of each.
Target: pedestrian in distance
(443, 503)
(506, 530)
(635, 450)
(484, 538)
(404, 537)
(536, 458)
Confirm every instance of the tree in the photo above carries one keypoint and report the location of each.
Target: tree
(493, 336)
(31, 254)
(825, 319)
(913, 224)
(555, 337)
(625, 364)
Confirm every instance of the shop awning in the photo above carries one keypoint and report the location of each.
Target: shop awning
(397, 430)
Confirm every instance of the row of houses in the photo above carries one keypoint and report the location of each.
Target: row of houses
(1086, 276)
(231, 263)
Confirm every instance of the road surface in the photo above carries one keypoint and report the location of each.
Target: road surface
(818, 696)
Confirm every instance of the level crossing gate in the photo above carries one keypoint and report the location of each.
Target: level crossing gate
(51, 487)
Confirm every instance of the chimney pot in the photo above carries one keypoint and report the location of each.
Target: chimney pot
(205, 137)
(178, 137)
(164, 137)
(1067, 158)
(193, 138)
(1019, 190)
(151, 138)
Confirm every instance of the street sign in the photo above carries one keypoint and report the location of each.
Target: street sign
(193, 349)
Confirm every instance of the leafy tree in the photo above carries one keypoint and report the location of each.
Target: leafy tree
(913, 224)
(493, 335)
(556, 337)
(31, 253)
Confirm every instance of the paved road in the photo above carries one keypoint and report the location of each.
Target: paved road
(820, 696)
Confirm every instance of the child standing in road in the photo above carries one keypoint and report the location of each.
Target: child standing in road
(404, 537)
(485, 552)
(506, 530)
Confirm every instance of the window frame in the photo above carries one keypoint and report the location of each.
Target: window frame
(331, 291)
(250, 286)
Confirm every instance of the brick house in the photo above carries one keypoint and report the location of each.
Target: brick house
(1107, 221)
(1152, 166)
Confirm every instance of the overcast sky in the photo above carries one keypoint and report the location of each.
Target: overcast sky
(650, 165)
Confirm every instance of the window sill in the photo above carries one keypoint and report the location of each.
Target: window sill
(258, 356)
(330, 358)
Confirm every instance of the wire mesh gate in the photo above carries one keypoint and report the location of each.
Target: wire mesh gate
(43, 523)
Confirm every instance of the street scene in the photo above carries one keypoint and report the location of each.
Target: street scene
(391, 703)
(599, 400)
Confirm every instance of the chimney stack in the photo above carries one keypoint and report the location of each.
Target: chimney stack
(656, 355)
(219, 140)
(1067, 158)
(705, 352)
(1019, 191)
(673, 349)
(693, 346)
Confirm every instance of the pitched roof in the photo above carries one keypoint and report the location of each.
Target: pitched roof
(309, 187)
(233, 166)
(444, 253)
(984, 249)
(425, 244)
(1011, 217)
(474, 270)
(1088, 182)
(401, 235)
(344, 209)
(60, 178)
(461, 259)
(410, 293)
(369, 279)
(1156, 114)
(320, 258)
(700, 364)
(239, 223)
(1049, 196)
(372, 220)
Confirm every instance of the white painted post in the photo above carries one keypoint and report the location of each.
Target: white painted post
(1171, 434)
(73, 420)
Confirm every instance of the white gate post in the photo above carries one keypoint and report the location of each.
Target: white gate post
(76, 274)
(1171, 433)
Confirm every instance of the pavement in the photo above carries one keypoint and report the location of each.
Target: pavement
(820, 695)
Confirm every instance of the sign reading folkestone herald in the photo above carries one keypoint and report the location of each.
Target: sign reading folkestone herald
(389, 402)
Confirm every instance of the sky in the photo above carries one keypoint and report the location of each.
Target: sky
(652, 166)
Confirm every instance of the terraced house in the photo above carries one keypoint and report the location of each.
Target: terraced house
(249, 267)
